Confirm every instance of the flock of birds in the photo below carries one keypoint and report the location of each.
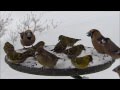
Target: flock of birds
(102, 44)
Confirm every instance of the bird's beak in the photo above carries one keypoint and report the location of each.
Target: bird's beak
(89, 34)
(84, 49)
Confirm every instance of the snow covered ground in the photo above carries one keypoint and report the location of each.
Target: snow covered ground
(64, 62)
(74, 24)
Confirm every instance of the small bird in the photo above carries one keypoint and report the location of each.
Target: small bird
(96, 36)
(74, 51)
(117, 70)
(60, 47)
(67, 40)
(82, 62)
(39, 44)
(46, 58)
(110, 48)
(27, 38)
(14, 56)
(8, 47)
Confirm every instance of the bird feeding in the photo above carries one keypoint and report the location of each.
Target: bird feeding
(64, 58)
(65, 62)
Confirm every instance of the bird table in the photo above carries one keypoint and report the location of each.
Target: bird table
(64, 66)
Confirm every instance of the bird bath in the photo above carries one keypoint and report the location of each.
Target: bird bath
(64, 66)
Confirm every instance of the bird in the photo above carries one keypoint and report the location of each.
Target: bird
(60, 47)
(96, 36)
(8, 47)
(27, 38)
(39, 44)
(16, 57)
(74, 51)
(110, 48)
(45, 58)
(117, 70)
(68, 40)
(82, 62)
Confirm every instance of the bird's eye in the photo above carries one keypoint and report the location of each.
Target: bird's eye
(31, 33)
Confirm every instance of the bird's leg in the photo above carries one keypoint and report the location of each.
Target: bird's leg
(76, 77)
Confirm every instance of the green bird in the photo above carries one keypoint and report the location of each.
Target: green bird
(16, 57)
(74, 51)
(46, 58)
(60, 47)
(82, 62)
(8, 47)
(68, 40)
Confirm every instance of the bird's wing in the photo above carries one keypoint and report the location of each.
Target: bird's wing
(112, 46)
(103, 40)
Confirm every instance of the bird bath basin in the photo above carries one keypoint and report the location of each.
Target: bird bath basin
(64, 66)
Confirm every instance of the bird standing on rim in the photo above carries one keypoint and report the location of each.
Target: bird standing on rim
(95, 36)
(16, 57)
(103, 44)
(27, 38)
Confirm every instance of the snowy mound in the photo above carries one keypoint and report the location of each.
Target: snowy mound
(65, 62)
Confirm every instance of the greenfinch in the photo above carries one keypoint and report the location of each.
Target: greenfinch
(68, 40)
(46, 58)
(16, 57)
(27, 38)
(82, 62)
(74, 51)
(60, 47)
(8, 47)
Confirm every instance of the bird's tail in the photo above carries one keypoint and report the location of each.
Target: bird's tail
(78, 39)
(52, 50)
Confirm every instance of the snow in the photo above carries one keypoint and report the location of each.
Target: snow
(74, 24)
(64, 62)
(85, 77)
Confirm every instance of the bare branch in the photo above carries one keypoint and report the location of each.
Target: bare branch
(4, 22)
(35, 23)
(13, 36)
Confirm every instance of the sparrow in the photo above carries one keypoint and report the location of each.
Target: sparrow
(27, 38)
(82, 62)
(46, 58)
(8, 47)
(68, 40)
(74, 51)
